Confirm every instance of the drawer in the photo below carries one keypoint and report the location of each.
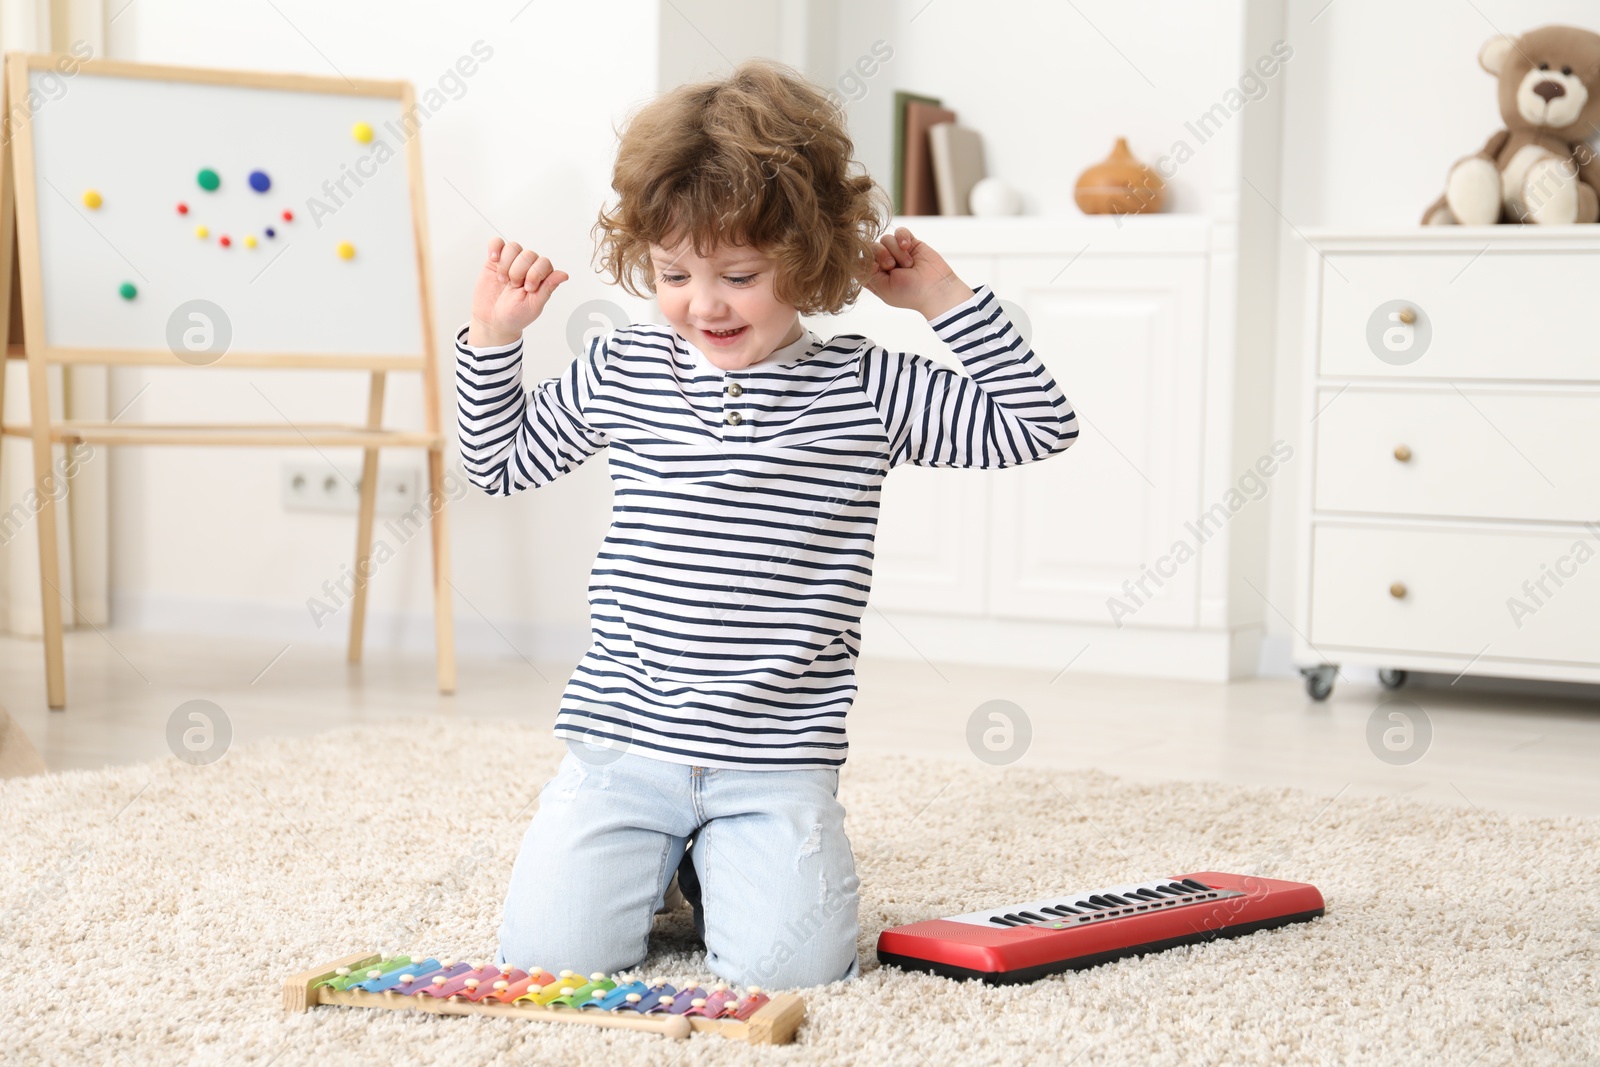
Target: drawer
(1472, 453)
(1470, 592)
(1492, 315)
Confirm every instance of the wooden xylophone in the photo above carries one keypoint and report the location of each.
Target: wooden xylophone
(1022, 942)
(448, 987)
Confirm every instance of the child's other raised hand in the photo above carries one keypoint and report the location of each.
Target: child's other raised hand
(513, 288)
(908, 273)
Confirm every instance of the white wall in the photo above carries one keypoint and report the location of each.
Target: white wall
(200, 538)
(702, 39)
(1378, 99)
(1381, 99)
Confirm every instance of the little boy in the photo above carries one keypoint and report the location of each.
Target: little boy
(746, 457)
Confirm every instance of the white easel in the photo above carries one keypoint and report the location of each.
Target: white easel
(20, 249)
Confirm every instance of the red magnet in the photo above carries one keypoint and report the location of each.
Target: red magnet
(224, 241)
(183, 209)
(288, 216)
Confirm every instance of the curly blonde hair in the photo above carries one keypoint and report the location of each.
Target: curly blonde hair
(759, 158)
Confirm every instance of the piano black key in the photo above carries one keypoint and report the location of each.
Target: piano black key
(1001, 922)
(1031, 915)
(1147, 893)
(1100, 899)
(1019, 920)
(1196, 885)
(1117, 900)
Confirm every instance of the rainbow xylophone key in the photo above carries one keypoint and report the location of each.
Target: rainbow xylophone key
(344, 977)
(508, 989)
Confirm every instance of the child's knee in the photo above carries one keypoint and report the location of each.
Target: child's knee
(584, 947)
(809, 942)
(817, 964)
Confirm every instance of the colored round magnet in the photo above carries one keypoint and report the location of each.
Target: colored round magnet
(288, 216)
(346, 250)
(201, 232)
(362, 131)
(224, 240)
(259, 181)
(271, 232)
(127, 291)
(91, 199)
(208, 180)
(183, 209)
(250, 240)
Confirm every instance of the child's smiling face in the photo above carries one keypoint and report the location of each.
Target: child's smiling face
(729, 291)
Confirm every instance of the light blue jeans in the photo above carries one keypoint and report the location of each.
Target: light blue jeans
(776, 877)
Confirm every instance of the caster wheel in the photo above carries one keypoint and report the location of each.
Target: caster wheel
(1391, 679)
(1319, 681)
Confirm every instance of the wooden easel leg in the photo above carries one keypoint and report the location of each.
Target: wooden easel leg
(55, 675)
(444, 631)
(444, 641)
(369, 500)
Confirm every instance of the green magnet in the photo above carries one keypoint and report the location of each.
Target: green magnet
(208, 180)
(128, 290)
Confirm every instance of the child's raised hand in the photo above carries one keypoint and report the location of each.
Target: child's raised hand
(513, 288)
(908, 273)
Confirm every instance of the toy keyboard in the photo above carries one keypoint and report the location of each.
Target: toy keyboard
(1022, 942)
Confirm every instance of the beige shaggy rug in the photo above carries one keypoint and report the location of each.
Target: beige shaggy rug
(148, 915)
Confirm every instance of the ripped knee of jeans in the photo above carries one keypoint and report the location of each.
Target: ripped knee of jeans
(565, 786)
(810, 846)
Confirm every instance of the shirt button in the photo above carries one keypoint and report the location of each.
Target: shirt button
(735, 418)
(734, 389)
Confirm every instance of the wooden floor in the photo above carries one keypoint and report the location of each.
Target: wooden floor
(1491, 748)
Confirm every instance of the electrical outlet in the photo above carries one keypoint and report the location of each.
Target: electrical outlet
(313, 485)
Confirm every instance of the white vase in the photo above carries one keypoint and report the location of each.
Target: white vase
(991, 196)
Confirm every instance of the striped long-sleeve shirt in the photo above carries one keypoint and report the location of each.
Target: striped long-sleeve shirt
(726, 599)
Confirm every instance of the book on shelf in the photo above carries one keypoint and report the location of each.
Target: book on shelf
(957, 156)
(920, 193)
(897, 189)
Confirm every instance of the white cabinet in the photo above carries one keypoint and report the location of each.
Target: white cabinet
(1124, 337)
(969, 561)
(1452, 426)
(932, 533)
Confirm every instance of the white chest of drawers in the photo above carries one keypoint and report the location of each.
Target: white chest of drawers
(1451, 504)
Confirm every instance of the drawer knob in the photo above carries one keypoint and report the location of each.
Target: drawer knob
(1398, 590)
(1408, 315)
(1402, 453)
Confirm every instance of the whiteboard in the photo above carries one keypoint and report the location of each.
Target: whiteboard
(140, 143)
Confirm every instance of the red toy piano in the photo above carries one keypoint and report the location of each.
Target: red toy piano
(1022, 942)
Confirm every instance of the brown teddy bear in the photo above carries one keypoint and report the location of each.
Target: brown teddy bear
(1540, 168)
